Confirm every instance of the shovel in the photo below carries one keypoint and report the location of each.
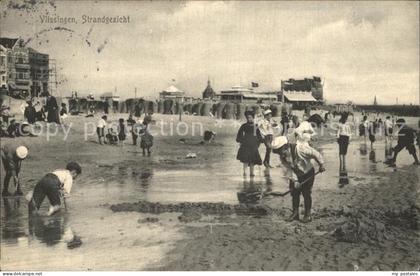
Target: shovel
(287, 192)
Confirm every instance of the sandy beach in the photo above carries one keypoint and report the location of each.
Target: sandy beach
(370, 224)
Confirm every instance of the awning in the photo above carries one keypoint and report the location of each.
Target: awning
(298, 96)
(259, 96)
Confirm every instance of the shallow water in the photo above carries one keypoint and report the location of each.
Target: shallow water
(118, 241)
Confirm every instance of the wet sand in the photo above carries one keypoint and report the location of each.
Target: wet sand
(369, 224)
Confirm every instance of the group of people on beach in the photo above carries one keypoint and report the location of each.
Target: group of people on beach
(290, 140)
(294, 151)
(406, 136)
(33, 111)
(108, 134)
(293, 145)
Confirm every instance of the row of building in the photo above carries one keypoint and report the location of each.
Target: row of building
(299, 92)
(23, 70)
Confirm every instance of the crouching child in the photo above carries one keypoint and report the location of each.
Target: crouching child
(54, 186)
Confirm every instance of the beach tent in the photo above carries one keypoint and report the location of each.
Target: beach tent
(130, 105)
(168, 107)
(219, 109)
(206, 109)
(178, 108)
(153, 107)
(74, 106)
(188, 108)
(240, 110)
(230, 111)
(196, 108)
(160, 107)
(122, 107)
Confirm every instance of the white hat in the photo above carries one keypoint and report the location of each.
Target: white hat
(22, 152)
(268, 111)
(278, 142)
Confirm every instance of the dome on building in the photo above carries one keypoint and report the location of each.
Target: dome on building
(208, 93)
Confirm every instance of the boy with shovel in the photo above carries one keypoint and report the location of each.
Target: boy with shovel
(296, 159)
(54, 186)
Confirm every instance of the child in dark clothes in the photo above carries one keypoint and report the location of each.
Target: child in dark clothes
(121, 131)
(249, 138)
(130, 120)
(112, 136)
(146, 142)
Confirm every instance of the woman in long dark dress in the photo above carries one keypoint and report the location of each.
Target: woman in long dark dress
(249, 138)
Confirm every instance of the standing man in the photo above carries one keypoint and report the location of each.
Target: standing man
(12, 157)
(406, 138)
(52, 108)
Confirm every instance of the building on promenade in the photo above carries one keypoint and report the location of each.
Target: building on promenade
(24, 71)
(240, 94)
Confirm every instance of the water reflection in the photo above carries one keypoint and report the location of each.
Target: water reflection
(372, 156)
(388, 151)
(363, 149)
(48, 230)
(343, 178)
(252, 191)
(13, 222)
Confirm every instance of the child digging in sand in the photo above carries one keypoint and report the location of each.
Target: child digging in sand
(406, 139)
(296, 159)
(249, 138)
(53, 185)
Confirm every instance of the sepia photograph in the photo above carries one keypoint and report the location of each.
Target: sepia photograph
(221, 136)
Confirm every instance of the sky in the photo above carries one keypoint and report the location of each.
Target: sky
(359, 49)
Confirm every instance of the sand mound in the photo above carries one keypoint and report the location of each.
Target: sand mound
(207, 208)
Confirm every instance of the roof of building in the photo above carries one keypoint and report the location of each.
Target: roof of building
(109, 95)
(237, 89)
(299, 96)
(259, 95)
(172, 89)
(208, 92)
(32, 50)
(249, 94)
(8, 42)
